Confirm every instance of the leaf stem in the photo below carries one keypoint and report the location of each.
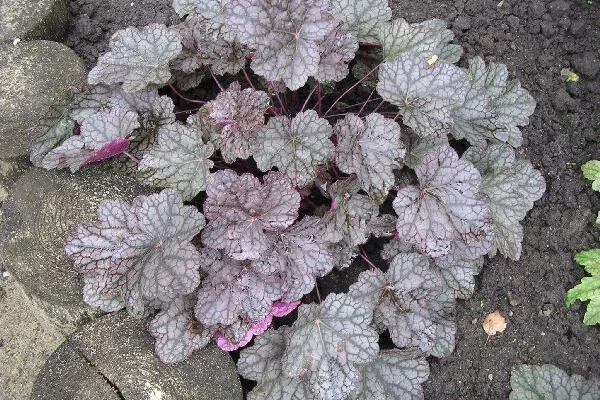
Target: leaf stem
(352, 87)
(216, 80)
(365, 103)
(182, 97)
(308, 98)
(248, 78)
(363, 255)
(132, 157)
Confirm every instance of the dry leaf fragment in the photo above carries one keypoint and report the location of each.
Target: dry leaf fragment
(494, 323)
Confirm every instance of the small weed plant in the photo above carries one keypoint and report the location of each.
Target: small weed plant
(297, 131)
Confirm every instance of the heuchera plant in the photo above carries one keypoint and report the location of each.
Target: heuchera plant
(293, 183)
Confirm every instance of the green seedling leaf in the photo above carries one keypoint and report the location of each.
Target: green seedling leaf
(591, 171)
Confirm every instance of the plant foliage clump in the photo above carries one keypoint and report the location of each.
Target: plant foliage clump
(294, 183)
(589, 287)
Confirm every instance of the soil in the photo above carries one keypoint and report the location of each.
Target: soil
(535, 39)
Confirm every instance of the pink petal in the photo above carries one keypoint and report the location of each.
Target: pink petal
(110, 149)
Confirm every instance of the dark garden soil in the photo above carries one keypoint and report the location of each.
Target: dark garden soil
(536, 39)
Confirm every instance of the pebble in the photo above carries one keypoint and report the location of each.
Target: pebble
(513, 299)
(559, 8)
(547, 310)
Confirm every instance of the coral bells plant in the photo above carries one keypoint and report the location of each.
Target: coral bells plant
(288, 171)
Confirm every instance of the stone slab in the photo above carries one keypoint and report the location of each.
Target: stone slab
(33, 19)
(37, 77)
(27, 338)
(66, 375)
(122, 349)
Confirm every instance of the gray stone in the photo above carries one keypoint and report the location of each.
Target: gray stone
(39, 215)
(37, 77)
(33, 19)
(66, 375)
(122, 349)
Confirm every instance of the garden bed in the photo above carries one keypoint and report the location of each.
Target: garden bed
(536, 40)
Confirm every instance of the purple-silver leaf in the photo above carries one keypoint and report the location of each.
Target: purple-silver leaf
(299, 256)
(512, 185)
(295, 146)
(202, 47)
(428, 38)
(371, 149)
(234, 290)
(262, 363)
(494, 108)
(284, 35)
(410, 300)
(177, 334)
(337, 50)
(102, 135)
(446, 213)
(240, 113)
(350, 214)
(425, 94)
(141, 252)
(338, 329)
(362, 17)
(394, 375)
(240, 210)
(179, 159)
(137, 58)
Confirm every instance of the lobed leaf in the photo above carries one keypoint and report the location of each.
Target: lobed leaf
(137, 58)
(428, 38)
(494, 107)
(240, 209)
(285, 36)
(362, 17)
(371, 149)
(299, 256)
(446, 214)
(512, 186)
(395, 374)
(337, 330)
(337, 50)
(141, 252)
(426, 95)
(350, 214)
(261, 362)
(295, 146)
(411, 301)
(179, 159)
(203, 47)
(103, 135)
(240, 113)
(177, 334)
(234, 290)
(547, 382)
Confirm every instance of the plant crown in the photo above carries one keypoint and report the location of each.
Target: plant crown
(292, 185)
